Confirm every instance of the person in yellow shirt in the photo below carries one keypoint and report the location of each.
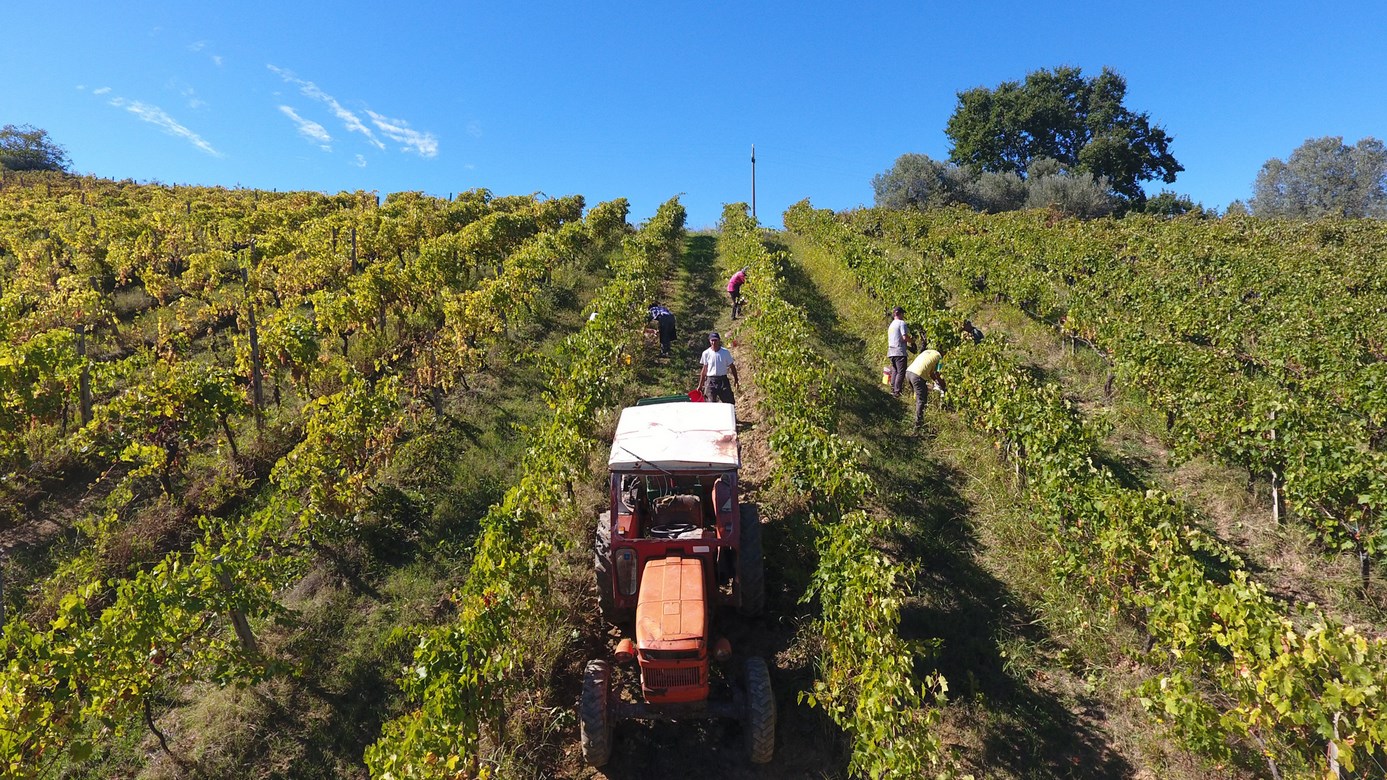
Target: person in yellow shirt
(923, 372)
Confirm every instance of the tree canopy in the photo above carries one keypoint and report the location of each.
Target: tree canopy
(1324, 177)
(1170, 204)
(917, 181)
(1059, 114)
(27, 148)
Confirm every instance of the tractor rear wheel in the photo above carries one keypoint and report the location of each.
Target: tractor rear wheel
(758, 722)
(751, 565)
(594, 717)
(602, 564)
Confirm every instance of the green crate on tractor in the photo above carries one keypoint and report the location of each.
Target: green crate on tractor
(675, 544)
(671, 399)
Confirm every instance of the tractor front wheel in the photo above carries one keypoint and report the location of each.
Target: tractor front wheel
(751, 565)
(594, 716)
(758, 723)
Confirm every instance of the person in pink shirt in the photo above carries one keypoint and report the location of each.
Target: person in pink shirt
(734, 289)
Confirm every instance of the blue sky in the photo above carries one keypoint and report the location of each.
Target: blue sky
(650, 100)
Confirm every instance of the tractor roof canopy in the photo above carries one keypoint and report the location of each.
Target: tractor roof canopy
(676, 437)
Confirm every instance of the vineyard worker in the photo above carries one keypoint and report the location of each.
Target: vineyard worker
(970, 330)
(734, 289)
(897, 339)
(923, 372)
(717, 366)
(665, 319)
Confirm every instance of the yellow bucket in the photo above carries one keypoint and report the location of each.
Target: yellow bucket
(886, 375)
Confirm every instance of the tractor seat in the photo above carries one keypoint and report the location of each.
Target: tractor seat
(678, 510)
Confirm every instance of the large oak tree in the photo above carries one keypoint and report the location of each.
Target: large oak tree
(1061, 115)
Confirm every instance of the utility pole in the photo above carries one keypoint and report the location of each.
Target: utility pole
(753, 181)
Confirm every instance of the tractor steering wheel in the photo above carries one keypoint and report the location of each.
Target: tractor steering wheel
(672, 530)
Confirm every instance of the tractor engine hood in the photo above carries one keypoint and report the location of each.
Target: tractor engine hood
(672, 615)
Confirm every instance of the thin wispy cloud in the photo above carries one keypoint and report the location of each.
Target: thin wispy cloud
(422, 143)
(310, 90)
(201, 46)
(359, 162)
(101, 91)
(157, 117)
(398, 130)
(474, 129)
(188, 94)
(310, 130)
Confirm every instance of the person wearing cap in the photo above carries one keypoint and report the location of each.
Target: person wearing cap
(717, 366)
(734, 289)
(664, 318)
(897, 339)
(923, 372)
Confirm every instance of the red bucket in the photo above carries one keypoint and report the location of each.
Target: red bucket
(696, 395)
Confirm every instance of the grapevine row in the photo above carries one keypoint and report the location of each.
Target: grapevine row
(1267, 359)
(111, 645)
(463, 673)
(1231, 667)
(867, 682)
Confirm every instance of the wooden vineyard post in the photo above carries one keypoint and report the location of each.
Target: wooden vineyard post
(257, 382)
(238, 618)
(84, 380)
(1276, 480)
(1333, 750)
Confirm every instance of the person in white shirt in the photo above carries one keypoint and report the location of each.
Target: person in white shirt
(898, 338)
(717, 366)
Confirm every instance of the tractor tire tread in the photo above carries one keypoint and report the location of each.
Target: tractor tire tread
(759, 724)
(751, 565)
(594, 716)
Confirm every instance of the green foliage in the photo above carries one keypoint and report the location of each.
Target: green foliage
(994, 191)
(153, 424)
(92, 653)
(348, 436)
(1059, 114)
(463, 672)
(1324, 177)
(1170, 204)
(867, 680)
(1231, 672)
(95, 668)
(916, 181)
(27, 148)
(1077, 194)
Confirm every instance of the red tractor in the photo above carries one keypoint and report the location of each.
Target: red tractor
(675, 544)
